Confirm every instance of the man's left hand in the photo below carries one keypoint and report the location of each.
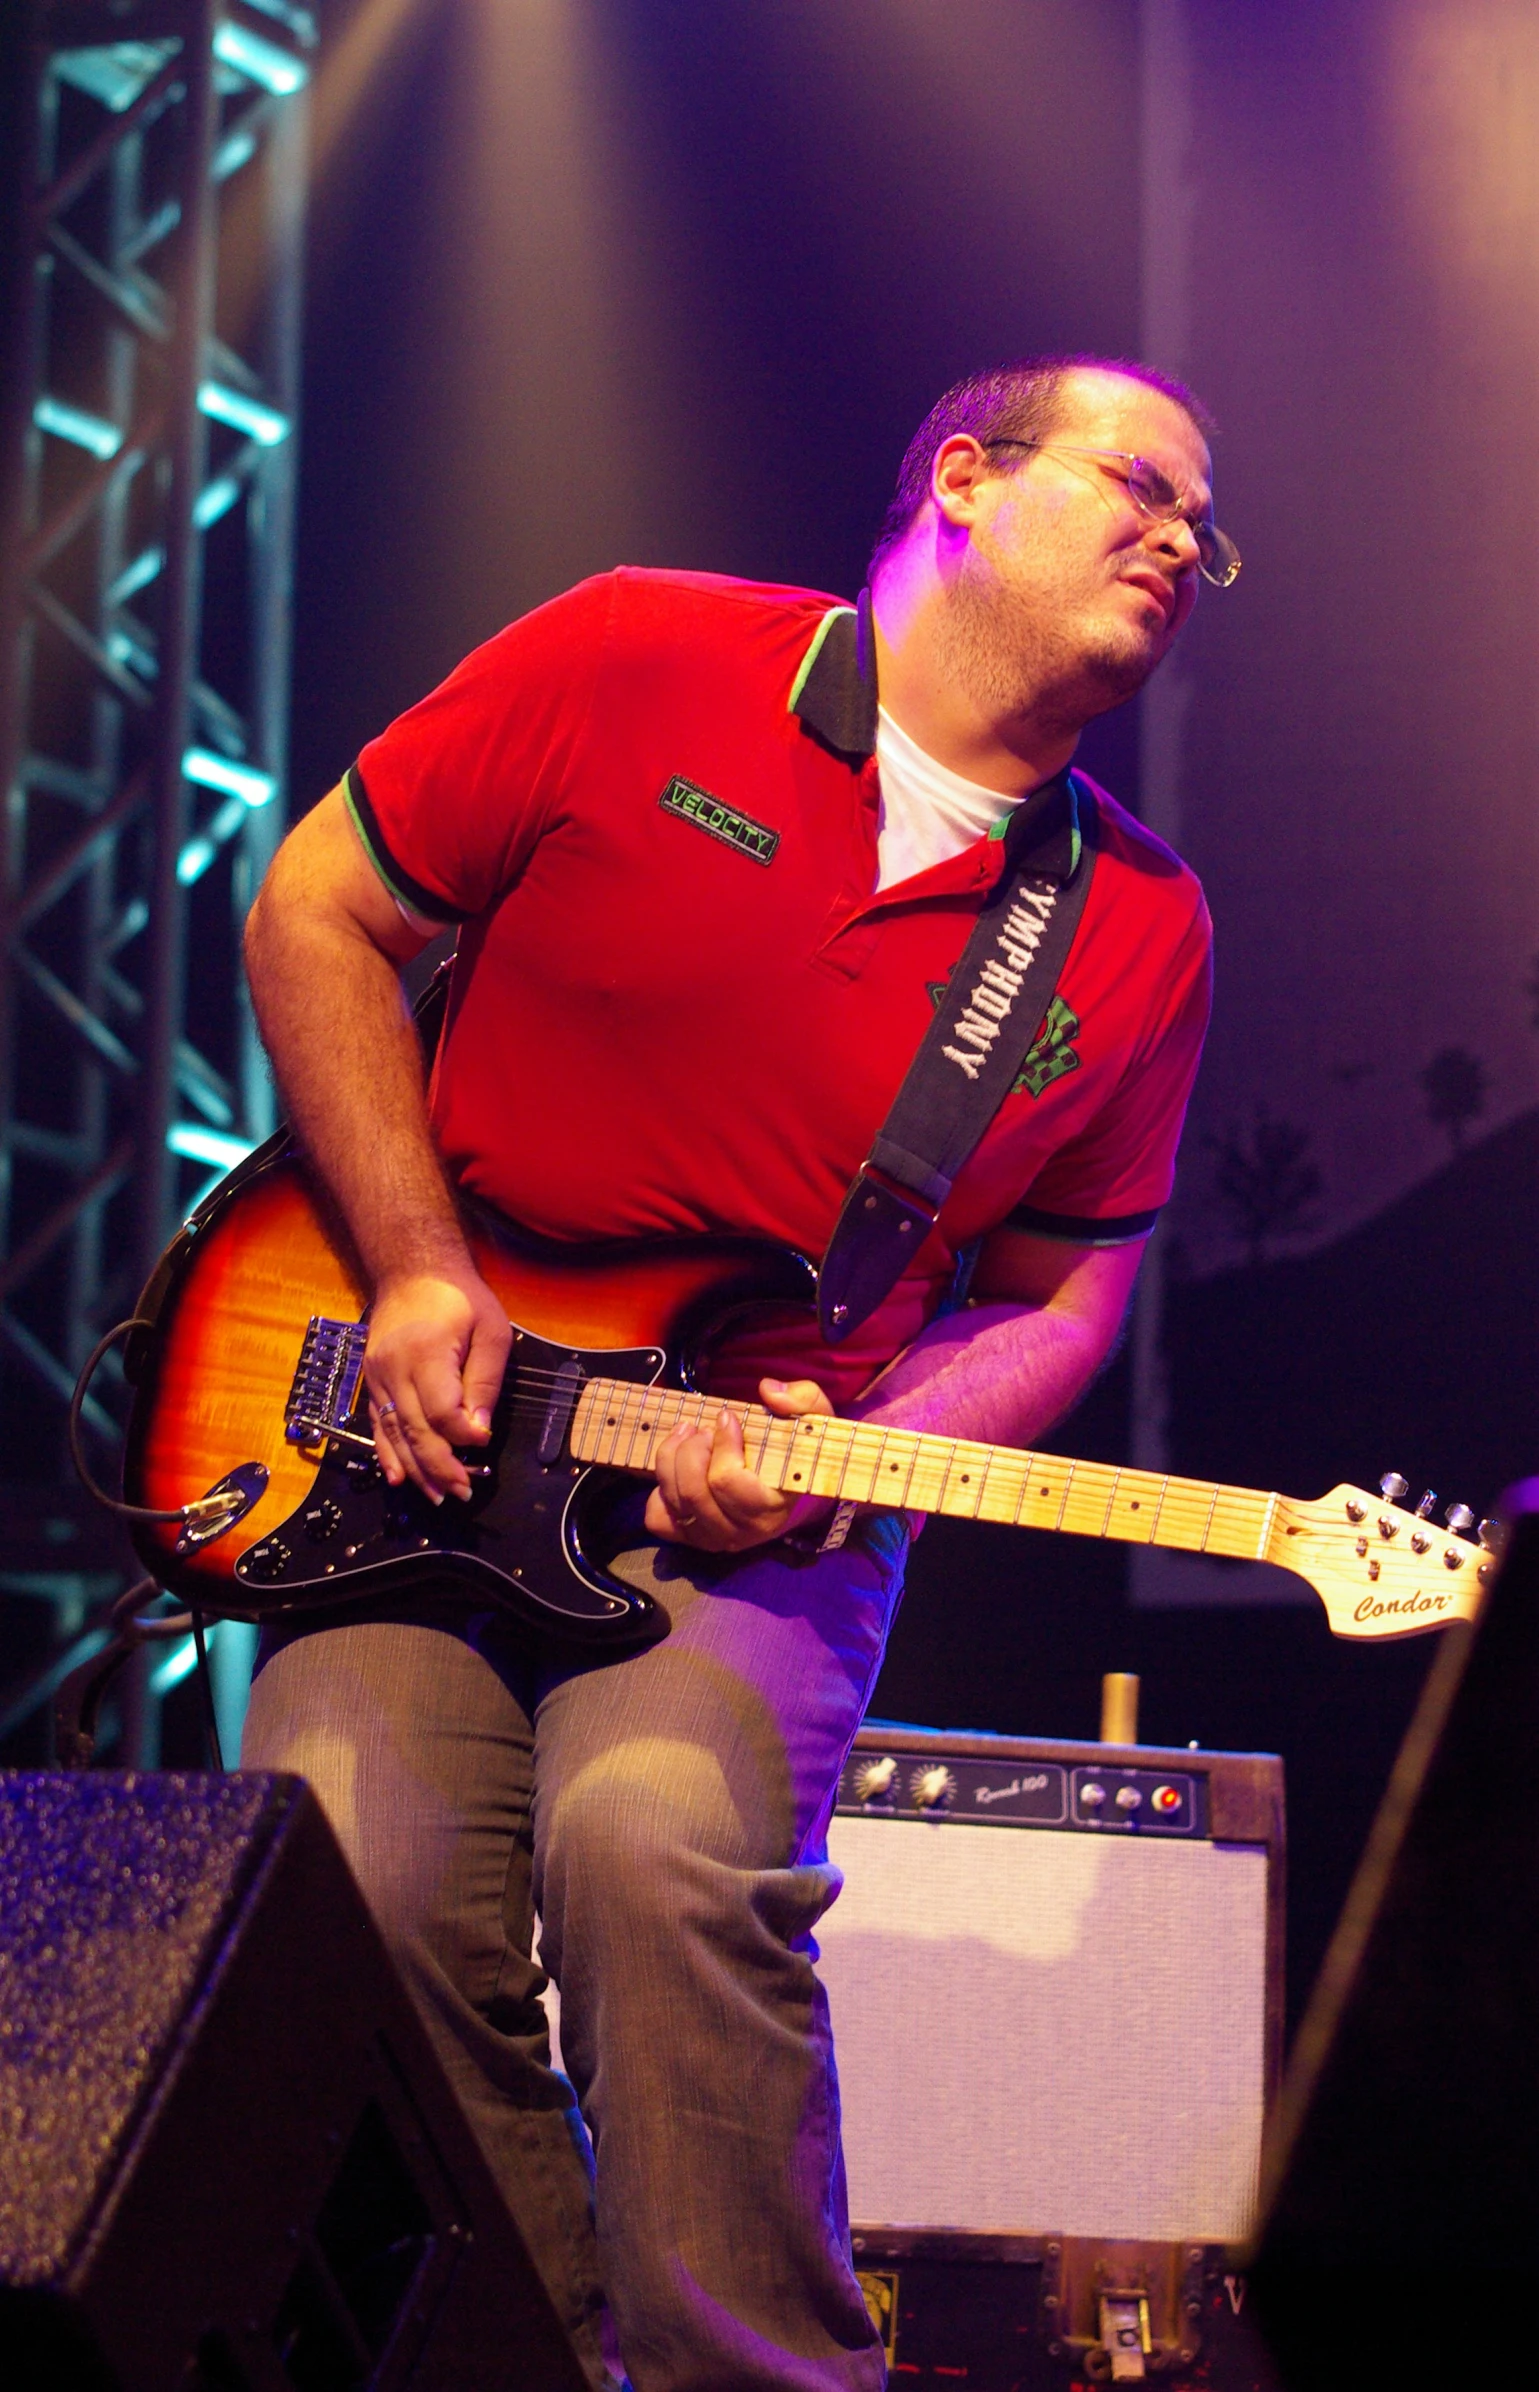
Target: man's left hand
(707, 1496)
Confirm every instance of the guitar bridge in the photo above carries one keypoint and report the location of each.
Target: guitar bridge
(325, 1383)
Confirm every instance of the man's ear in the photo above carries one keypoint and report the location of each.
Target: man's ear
(957, 469)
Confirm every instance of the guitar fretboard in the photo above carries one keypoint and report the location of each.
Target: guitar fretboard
(621, 1425)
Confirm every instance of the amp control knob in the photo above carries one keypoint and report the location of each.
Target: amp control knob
(874, 1779)
(932, 1788)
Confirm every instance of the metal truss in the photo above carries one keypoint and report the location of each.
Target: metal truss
(148, 410)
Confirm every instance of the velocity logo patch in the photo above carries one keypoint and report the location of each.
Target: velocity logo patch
(692, 804)
(1051, 1053)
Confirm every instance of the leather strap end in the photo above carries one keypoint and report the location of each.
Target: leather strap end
(878, 1230)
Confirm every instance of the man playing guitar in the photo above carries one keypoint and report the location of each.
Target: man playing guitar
(714, 848)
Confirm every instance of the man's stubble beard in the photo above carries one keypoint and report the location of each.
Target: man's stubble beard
(1015, 652)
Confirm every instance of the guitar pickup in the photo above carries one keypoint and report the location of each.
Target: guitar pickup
(324, 1388)
(558, 1412)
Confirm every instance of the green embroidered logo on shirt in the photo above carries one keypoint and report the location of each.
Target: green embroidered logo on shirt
(693, 804)
(1051, 1052)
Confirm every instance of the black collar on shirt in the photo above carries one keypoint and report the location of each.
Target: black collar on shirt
(837, 701)
(837, 697)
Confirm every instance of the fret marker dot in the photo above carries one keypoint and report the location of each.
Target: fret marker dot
(1047, 1490)
(966, 1481)
(1132, 1507)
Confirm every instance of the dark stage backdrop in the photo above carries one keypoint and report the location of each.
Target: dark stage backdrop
(661, 281)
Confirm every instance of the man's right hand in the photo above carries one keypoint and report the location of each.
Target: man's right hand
(438, 1345)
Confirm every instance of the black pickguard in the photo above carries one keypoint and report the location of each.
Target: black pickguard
(520, 1536)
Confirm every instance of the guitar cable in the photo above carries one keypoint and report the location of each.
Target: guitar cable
(80, 1697)
(184, 1512)
(78, 1700)
(206, 1689)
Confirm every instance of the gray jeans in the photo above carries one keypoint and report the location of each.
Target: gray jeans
(665, 1811)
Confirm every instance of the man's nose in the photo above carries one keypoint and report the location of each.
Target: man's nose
(1176, 538)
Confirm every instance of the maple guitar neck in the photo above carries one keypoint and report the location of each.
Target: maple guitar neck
(621, 1425)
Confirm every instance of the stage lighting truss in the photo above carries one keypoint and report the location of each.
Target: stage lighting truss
(148, 418)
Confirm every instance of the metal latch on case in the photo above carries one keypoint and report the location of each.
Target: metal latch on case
(1125, 2337)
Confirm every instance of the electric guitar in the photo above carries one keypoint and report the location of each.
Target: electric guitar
(249, 1426)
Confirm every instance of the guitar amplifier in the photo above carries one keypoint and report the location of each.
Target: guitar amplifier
(1055, 1974)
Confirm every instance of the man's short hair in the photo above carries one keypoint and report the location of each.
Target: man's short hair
(1024, 401)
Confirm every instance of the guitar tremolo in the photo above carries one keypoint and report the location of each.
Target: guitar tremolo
(325, 1383)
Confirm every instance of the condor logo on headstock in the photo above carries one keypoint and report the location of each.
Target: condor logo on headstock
(1394, 1572)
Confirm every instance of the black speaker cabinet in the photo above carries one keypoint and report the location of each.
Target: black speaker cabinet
(1401, 2242)
(229, 2161)
(1055, 1974)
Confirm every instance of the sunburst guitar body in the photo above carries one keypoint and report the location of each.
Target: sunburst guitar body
(249, 1424)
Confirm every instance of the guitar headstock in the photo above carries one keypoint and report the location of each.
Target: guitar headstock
(1381, 1570)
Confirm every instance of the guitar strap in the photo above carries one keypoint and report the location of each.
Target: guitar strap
(968, 1060)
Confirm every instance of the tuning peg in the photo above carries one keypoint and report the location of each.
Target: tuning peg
(1392, 1486)
(1424, 1508)
(1459, 1518)
(1492, 1534)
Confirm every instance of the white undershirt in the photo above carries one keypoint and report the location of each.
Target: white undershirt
(928, 812)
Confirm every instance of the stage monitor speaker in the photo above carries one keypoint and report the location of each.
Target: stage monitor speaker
(229, 2160)
(1401, 2238)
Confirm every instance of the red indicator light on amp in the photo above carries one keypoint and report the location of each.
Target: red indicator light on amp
(1166, 1798)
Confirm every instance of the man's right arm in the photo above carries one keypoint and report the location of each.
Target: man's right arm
(324, 945)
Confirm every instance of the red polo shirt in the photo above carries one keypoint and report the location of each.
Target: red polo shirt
(677, 1005)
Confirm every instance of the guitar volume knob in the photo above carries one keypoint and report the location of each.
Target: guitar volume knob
(265, 1562)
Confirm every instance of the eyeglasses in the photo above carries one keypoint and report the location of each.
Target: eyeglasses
(1155, 496)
